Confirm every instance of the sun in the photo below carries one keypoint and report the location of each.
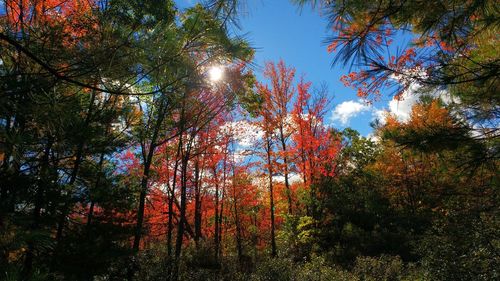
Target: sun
(215, 73)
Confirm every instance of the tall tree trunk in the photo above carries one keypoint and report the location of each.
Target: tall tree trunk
(145, 175)
(312, 189)
(239, 246)
(285, 163)
(173, 273)
(172, 198)
(140, 210)
(224, 177)
(304, 179)
(217, 225)
(182, 211)
(271, 196)
(182, 214)
(142, 202)
(197, 203)
(221, 212)
(72, 179)
(90, 215)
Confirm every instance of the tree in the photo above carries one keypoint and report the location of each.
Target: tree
(313, 142)
(435, 182)
(452, 48)
(276, 103)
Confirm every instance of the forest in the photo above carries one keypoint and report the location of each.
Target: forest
(139, 140)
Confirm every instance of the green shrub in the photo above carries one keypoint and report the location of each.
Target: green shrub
(274, 270)
(383, 268)
(387, 268)
(318, 270)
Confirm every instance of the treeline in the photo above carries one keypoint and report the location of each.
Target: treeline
(136, 144)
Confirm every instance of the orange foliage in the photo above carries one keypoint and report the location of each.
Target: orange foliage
(74, 18)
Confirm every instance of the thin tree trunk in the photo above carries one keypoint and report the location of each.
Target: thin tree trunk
(197, 203)
(171, 199)
(145, 176)
(182, 211)
(239, 246)
(314, 211)
(90, 215)
(271, 198)
(182, 214)
(285, 163)
(224, 176)
(140, 210)
(217, 226)
(223, 192)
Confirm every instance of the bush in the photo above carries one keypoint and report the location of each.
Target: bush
(201, 256)
(274, 270)
(463, 246)
(198, 263)
(317, 270)
(152, 264)
(387, 268)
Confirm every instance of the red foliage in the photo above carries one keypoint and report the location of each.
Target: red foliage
(314, 145)
(73, 17)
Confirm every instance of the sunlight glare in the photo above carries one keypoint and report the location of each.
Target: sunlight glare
(215, 73)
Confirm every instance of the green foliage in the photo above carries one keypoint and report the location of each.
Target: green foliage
(154, 266)
(274, 270)
(14, 273)
(154, 263)
(317, 269)
(201, 256)
(463, 245)
(387, 268)
(356, 219)
(306, 230)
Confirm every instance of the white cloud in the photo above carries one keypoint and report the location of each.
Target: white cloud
(380, 115)
(402, 108)
(292, 178)
(347, 110)
(373, 138)
(446, 97)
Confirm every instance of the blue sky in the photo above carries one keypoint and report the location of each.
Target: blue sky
(279, 29)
